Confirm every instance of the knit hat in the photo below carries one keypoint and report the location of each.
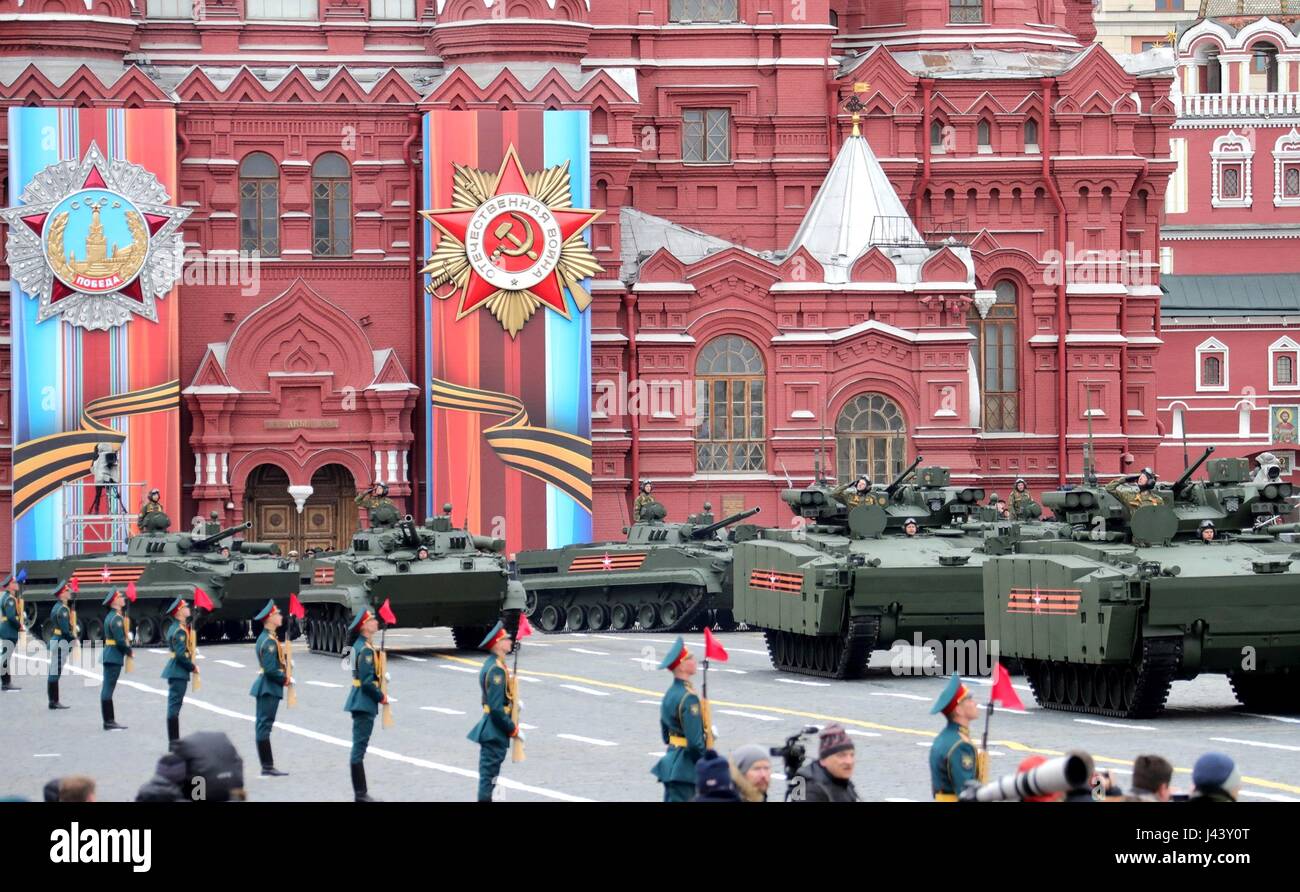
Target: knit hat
(749, 755)
(171, 767)
(1215, 770)
(833, 739)
(713, 775)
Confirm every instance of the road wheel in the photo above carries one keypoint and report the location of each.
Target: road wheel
(146, 631)
(647, 617)
(576, 618)
(1058, 683)
(621, 617)
(530, 603)
(1072, 683)
(1087, 693)
(552, 619)
(598, 617)
(94, 629)
(1130, 688)
(670, 613)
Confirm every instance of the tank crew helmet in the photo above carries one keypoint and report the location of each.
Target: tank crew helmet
(909, 526)
(496, 633)
(174, 607)
(381, 489)
(213, 514)
(863, 482)
(994, 499)
(108, 599)
(1206, 530)
(646, 486)
(265, 611)
(1020, 484)
(1150, 476)
(422, 553)
(154, 495)
(676, 654)
(951, 696)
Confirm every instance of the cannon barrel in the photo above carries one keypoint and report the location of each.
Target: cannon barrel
(259, 548)
(1069, 772)
(205, 541)
(1181, 483)
(1278, 529)
(705, 532)
(487, 543)
(898, 481)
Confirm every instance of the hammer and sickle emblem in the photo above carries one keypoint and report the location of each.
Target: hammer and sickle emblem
(506, 231)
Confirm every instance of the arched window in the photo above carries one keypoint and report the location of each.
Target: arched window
(936, 136)
(331, 206)
(995, 351)
(1263, 68)
(870, 438)
(984, 136)
(1031, 136)
(731, 386)
(259, 205)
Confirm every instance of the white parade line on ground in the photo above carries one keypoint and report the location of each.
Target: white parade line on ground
(231, 663)
(1260, 743)
(902, 696)
(323, 684)
(1275, 797)
(1273, 718)
(334, 741)
(1123, 725)
(581, 690)
(594, 741)
(811, 684)
(468, 669)
(411, 658)
(593, 653)
(444, 710)
(749, 715)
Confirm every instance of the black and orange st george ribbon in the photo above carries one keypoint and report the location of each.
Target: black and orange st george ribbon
(555, 457)
(42, 465)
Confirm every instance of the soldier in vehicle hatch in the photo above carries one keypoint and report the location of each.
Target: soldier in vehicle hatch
(856, 493)
(1136, 492)
(643, 501)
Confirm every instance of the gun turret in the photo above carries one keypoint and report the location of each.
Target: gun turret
(1185, 478)
(706, 531)
(205, 541)
(815, 503)
(898, 481)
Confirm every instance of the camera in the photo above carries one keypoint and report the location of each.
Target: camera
(793, 754)
(105, 468)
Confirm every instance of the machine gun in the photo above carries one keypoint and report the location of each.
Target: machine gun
(206, 541)
(705, 532)
(898, 481)
(1184, 480)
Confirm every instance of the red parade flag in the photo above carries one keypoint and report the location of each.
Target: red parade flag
(73, 585)
(1003, 693)
(712, 649)
(525, 627)
(201, 599)
(296, 610)
(386, 613)
(130, 591)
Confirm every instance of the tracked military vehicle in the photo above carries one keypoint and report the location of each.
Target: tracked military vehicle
(851, 581)
(164, 565)
(1105, 620)
(432, 574)
(667, 577)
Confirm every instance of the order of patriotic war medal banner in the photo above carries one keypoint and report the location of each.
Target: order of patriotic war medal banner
(508, 351)
(95, 249)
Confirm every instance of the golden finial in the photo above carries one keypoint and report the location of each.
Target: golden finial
(855, 106)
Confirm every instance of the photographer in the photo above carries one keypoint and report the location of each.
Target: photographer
(830, 778)
(751, 771)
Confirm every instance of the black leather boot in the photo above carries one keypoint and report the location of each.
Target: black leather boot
(110, 719)
(173, 731)
(52, 688)
(7, 684)
(359, 783)
(268, 760)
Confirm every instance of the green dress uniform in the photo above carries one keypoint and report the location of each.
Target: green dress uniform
(268, 687)
(681, 724)
(11, 625)
(149, 507)
(953, 758)
(363, 702)
(849, 496)
(496, 727)
(116, 650)
(177, 672)
(60, 648)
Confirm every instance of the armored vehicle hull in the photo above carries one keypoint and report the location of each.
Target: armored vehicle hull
(463, 582)
(667, 577)
(1105, 629)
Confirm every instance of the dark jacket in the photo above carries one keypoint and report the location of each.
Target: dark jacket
(1210, 794)
(819, 786)
(165, 785)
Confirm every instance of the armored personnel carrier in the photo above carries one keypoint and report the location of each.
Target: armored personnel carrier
(165, 565)
(851, 580)
(1142, 593)
(432, 574)
(667, 577)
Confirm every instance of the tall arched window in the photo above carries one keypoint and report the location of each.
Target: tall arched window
(331, 206)
(995, 351)
(732, 407)
(259, 205)
(936, 136)
(1031, 136)
(984, 136)
(870, 438)
(1263, 68)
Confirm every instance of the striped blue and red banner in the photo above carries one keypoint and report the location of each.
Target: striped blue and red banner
(527, 479)
(64, 376)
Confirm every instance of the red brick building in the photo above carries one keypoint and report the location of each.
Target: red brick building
(926, 289)
(1231, 318)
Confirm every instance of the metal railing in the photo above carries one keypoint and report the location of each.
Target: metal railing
(923, 232)
(85, 532)
(1230, 105)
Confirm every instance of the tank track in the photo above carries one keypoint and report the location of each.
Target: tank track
(1124, 692)
(846, 656)
(1271, 692)
(690, 618)
(327, 631)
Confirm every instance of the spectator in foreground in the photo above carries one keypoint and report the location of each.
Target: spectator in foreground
(1216, 778)
(713, 779)
(77, 788)
(751, 772)
(1152, 776)
(830, 778)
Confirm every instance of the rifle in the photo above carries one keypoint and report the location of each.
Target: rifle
(126, 633)
(75, 653)
(22, 623)
(706, 711)
(192, 649)
(381, 666)
(512, 689)
(291, 695)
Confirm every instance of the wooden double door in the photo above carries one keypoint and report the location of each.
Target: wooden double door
(328, 518)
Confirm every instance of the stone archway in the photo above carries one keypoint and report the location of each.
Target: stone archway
(322, 516)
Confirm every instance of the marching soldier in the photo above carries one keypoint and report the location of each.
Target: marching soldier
(1021, 500)
(953, 759)
(681, 722)
(496, 728)
(1139, 493)
(61, 640)
(152, 505)
(178, 668)
(856, 493)
(11, 625)
(364, 699)
(268, 687)
(116, 649)
(644, 500)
